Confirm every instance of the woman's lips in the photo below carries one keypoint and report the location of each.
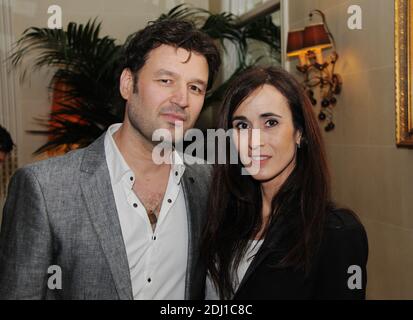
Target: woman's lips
(261, 159)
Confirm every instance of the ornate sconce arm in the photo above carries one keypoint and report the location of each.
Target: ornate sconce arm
(309, 43)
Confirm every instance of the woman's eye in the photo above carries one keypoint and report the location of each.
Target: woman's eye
(271, 123)
(241, 125)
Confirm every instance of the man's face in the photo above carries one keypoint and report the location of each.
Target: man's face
(170, 91)
(3, 156)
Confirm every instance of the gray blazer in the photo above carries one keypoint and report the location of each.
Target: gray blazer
(62, 212)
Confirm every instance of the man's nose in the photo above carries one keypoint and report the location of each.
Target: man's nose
(180, 96)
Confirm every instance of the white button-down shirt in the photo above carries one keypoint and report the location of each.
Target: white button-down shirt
(157, 259)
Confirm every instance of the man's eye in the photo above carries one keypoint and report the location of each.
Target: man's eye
(241, 125)
(165, 81)
(271, 123)
(196, 89)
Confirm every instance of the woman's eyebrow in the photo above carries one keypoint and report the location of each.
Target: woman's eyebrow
(270, 114)
(263, 115)
(239, 118)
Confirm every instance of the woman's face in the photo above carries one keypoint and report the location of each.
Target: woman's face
(274, 153)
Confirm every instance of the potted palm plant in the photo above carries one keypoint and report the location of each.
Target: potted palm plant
(84, 85)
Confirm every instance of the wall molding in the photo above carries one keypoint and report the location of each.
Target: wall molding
(9, 114)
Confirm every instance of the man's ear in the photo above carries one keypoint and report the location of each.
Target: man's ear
(126, 84)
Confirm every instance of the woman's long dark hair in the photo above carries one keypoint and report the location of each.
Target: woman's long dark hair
(235, 202)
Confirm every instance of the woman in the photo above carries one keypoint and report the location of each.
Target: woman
(275, 234)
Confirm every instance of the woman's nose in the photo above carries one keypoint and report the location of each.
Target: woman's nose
(255, 139)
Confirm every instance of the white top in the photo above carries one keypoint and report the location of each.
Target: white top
(211, 292)
(157, 259)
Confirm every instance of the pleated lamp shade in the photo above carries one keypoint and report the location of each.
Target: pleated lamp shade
(316, 37)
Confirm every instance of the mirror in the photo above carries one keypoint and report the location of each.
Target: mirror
(403, 72)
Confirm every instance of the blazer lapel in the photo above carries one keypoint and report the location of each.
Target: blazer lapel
(270, 244)
(192, 194)
(98, 196)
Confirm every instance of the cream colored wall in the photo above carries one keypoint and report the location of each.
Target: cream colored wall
(119, 19)
(370, 174)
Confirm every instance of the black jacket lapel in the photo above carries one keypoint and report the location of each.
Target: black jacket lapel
(270, 244)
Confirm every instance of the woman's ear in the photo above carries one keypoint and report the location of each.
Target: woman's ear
(126, 84)
(298, 137)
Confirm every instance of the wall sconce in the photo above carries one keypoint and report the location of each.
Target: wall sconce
(307, 44)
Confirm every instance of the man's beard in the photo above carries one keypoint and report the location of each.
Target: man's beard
(148, 134)
(132, 116)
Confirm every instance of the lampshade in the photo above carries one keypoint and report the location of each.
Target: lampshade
(295, 42)
(315, 36)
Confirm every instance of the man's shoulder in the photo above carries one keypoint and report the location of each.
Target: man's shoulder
(61, 165)
(199, 166)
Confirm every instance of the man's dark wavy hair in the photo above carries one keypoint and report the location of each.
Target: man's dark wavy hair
(176, 33)
(6, 143)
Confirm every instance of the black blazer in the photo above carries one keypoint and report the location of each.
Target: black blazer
(344, 245)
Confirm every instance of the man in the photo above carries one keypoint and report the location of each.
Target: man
(6, 144)
(107, 219)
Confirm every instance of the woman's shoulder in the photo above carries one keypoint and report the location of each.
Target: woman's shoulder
(343, 219)
(343, 257)
(345, 234)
